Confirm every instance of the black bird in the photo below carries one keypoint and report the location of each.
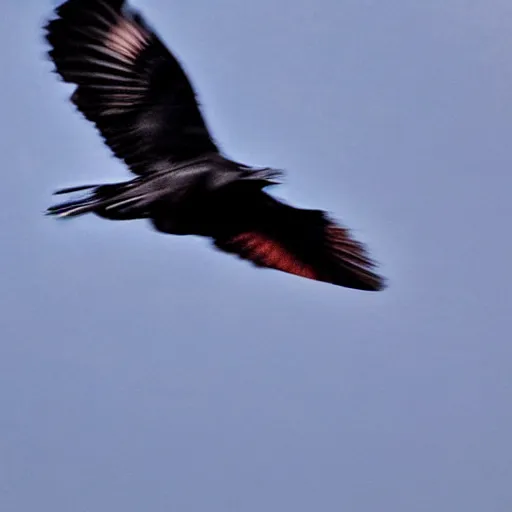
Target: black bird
(136, 93)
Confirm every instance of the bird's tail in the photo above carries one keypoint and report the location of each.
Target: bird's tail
(114, 201)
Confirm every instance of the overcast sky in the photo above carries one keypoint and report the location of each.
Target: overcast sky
(144, 372)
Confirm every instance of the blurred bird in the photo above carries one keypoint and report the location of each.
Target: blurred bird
(136, 93)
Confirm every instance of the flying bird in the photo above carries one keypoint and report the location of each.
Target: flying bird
(133, 89)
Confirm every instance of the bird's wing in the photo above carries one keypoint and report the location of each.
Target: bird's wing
(129, 85)
(272, 234)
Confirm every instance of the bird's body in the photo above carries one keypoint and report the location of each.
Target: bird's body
(136, 93)
(192, 198)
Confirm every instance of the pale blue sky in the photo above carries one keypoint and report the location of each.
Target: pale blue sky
(143, 372)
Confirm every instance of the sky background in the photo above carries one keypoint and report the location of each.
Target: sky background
(143, 372)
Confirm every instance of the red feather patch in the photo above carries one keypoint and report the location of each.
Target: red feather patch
(266, 252)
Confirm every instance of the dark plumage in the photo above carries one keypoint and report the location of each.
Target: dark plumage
(136, 93)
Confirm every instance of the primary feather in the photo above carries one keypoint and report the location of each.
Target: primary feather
(129, 85)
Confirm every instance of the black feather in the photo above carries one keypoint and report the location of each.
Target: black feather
(128, 84)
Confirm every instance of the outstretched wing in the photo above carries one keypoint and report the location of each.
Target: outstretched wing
(129, 85)
(303, 242)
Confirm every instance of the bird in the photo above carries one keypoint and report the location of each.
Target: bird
(135, 91)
